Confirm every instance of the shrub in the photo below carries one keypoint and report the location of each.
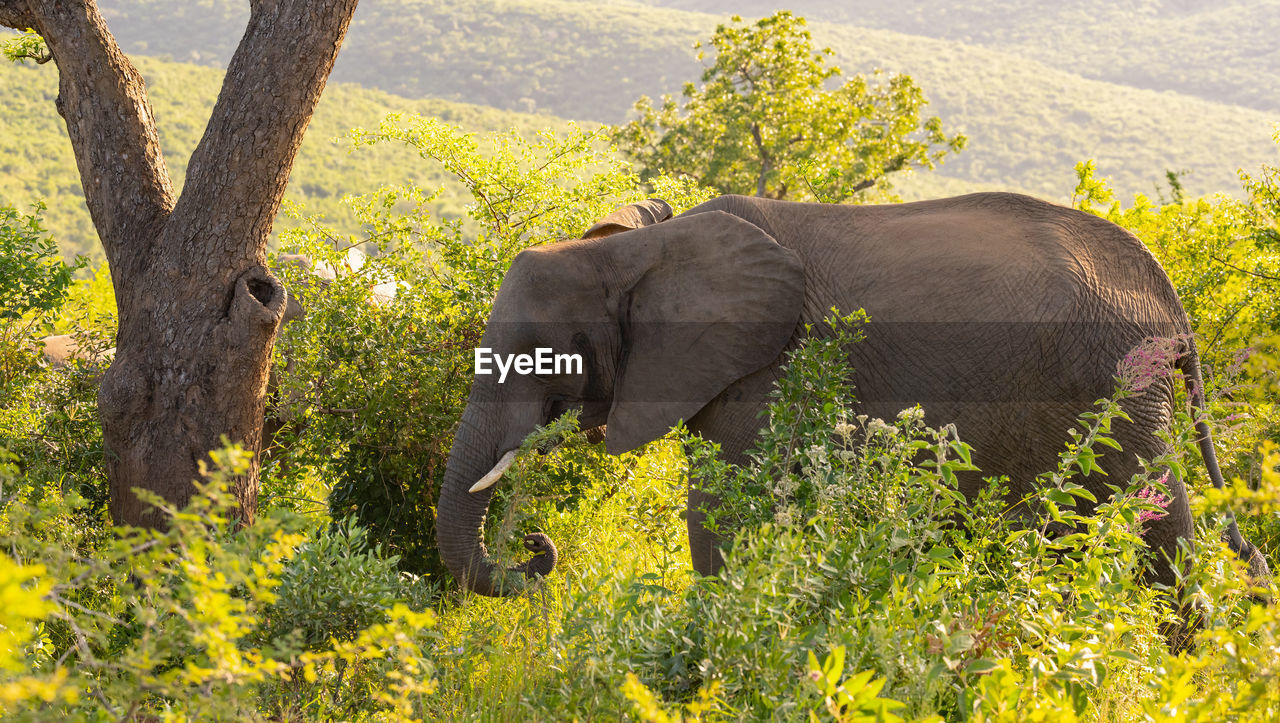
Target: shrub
(850, 535)
(33, 287)
(185, 623)
(334, 586)
(48, 417)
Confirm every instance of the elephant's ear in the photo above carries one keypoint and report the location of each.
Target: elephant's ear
(631, 216)
(712, 298)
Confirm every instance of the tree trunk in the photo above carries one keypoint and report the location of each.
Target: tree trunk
(199, 311)
(766, 163)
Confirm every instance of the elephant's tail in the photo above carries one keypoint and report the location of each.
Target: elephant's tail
(1189, 365)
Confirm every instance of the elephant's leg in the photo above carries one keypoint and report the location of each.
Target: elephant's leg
(733, 421)
(1163, 534)
(704, 547)
(1152, 412)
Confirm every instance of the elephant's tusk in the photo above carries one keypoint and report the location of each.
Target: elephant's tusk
(502, 466)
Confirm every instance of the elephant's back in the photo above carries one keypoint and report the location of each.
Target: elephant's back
(978, 298)
(986, 257)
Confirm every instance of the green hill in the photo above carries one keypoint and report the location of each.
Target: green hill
(36, 161)
(574, 60)
(1028, 123)
(1224, 51)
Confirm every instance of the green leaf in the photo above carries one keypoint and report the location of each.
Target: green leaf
(1123, 654)
(1060, 497)
(981, 666)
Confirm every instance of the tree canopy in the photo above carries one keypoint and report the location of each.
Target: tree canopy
(767, 122)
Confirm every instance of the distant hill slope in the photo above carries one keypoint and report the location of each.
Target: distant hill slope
(574, 60)
(1027, 122)
(36, 161)
(1220, 50)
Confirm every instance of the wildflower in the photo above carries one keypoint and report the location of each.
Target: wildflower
(879, 426)
(786, 486)
(1154, 496)
(784, 516)
(1238, 361)
(1151, 361)
(911, 414)
(845, 431)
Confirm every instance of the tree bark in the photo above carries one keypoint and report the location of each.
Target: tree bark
(766, 163)
(199, 311)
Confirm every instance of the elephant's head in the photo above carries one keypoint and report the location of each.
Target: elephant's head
(663, 316)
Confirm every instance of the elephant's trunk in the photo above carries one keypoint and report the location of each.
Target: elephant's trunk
(460, 516)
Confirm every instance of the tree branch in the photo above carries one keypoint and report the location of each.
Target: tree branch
(1247, 272)
(238, 172)
(103, 99)
(15, 14)
(766, 163)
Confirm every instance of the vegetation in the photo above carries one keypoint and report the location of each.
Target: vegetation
(851, 593)
(862, 585)
(33, 281)
(764, 124)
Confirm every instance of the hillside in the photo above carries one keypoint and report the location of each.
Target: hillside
(1028, 123)
(575, 60)
(1224, 51)
(36, 161)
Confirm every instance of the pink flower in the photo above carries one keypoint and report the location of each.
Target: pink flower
(1238, 361)
(1153, 496)
(1151, 361)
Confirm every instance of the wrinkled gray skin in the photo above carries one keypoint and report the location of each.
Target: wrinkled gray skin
(1000, 313)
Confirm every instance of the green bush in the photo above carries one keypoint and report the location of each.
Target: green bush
(33, 287)
(184, 623)
(33, 279)
(335, 586)
(48, 417)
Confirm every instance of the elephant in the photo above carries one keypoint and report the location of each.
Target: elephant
(61, 350)
(1002, 314)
